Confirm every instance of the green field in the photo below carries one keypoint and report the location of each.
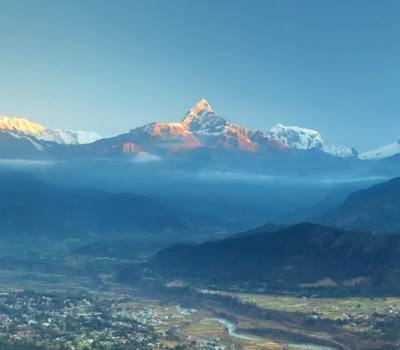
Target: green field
(332, 308)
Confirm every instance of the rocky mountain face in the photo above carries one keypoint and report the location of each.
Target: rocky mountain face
(203, 131)
(201, 134)
(200, 128)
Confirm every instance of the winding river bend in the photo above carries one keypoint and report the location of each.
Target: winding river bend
(231, 328)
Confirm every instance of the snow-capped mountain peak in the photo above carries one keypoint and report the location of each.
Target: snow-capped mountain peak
(202, 119)
(21, 127)
(199, 109)
(382, 152)
(295, 137)
(203, 127)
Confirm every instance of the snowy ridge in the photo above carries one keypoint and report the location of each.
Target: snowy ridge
(202, 127)
(341, 151)
(295, 137)
(20, 125)
(382, 152)
(68, 137)
(24, 128)
(202, 119)
(201, 108)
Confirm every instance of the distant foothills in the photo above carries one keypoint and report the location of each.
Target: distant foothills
(359, 252)
(200, 134)
(307, 257)
(33, 207)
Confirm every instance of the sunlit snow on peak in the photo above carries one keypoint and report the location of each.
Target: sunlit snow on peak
(20, 125)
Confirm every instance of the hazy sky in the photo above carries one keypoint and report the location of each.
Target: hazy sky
(113, 65)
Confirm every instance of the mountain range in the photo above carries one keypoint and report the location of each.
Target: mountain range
(354, 247)
(24, 129)
(200, 129)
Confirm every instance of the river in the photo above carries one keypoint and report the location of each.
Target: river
(231, 328)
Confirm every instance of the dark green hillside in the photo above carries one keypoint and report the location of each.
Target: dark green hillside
(298, 255)
(376, 208)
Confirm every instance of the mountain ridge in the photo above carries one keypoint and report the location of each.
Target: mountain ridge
(201, 127)
(376, 208)
(298, 257)
(382, 152)
(24, 128)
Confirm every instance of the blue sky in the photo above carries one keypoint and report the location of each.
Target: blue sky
(114, 65)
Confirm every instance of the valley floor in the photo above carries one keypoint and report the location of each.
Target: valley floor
(74, 302)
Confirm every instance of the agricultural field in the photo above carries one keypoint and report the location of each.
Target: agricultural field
(330, 308)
